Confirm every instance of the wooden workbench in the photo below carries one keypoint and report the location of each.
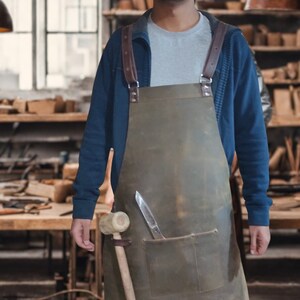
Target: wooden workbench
(50, 219)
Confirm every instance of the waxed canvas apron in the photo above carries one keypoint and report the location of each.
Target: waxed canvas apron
(174, 157)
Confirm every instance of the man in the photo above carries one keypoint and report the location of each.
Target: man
(174, 156)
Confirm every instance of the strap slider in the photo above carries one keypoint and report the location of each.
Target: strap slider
(132, 85)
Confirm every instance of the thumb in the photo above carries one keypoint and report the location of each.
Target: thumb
(253, 245)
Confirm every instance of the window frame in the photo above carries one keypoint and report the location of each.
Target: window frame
(40, 43)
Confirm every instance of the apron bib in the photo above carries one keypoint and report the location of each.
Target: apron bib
(175, 159)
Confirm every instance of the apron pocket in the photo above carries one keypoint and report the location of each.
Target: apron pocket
(184, 265)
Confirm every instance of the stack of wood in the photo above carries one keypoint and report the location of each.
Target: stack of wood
(56, 190)
(41, 107)
(286, 158)
(6, 107)
(291, 71)
(135, 4)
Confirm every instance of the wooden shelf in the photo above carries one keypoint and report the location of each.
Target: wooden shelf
(275, 49)
(277, 13)
(122, 13)
(281, 82)
(284, 121)
(58, 117)
(217, 12)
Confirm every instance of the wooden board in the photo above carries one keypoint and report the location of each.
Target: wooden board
(55, 189)
(282, 102)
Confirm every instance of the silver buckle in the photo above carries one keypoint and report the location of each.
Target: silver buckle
(206, 86)
(133, 85)
(134, 91)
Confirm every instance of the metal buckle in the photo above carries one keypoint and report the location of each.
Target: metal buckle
(133, 85)
(206, 85)
(134, 91)
(205, 79)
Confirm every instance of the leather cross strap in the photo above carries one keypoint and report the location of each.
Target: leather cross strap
(214, 51)
(210, 65)
(129, 67)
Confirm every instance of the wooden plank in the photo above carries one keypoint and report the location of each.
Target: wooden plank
(216, 12)
(58, 117)
(55, 189)
(275, 49)
(281, 82)
(227, 12)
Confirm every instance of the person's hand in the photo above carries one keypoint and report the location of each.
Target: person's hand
(260, 239)
(80, 231)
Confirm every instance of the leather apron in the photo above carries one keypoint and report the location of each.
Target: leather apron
(174, 157)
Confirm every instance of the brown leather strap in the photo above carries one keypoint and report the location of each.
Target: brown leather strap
(214, 51)
(210, 65)
(129, 67)
(122, 243)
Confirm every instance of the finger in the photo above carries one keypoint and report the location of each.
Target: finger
(253, 245)
(77, 236)
(262, 246)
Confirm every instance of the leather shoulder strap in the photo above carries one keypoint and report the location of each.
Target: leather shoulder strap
(214, 50)
(129, 67)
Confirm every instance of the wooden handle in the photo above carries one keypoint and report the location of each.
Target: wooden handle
(11, 211)
(124, 269)
(114, 222)
(106, 191)
(276, 157)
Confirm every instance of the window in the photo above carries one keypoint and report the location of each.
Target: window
(16, 48)
(54, 43)
(72, 44)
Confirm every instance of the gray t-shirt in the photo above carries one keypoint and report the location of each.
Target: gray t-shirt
(178, 57)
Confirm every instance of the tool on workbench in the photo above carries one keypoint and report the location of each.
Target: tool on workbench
(114, 223)
(16, 205)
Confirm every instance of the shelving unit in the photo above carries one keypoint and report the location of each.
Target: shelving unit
(57, 117)
(40, 136)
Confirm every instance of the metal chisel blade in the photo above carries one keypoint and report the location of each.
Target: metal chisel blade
(148, 216)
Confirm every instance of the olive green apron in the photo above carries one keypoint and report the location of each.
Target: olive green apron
(174, 157)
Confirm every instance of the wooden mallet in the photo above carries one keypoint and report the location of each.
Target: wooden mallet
(114, 223)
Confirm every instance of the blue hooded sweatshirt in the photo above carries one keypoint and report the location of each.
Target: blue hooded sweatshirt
(238, 110)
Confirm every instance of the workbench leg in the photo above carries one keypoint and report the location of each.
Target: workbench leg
(64, 254)
(50, 252)
(72, 268)
(98, 257)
